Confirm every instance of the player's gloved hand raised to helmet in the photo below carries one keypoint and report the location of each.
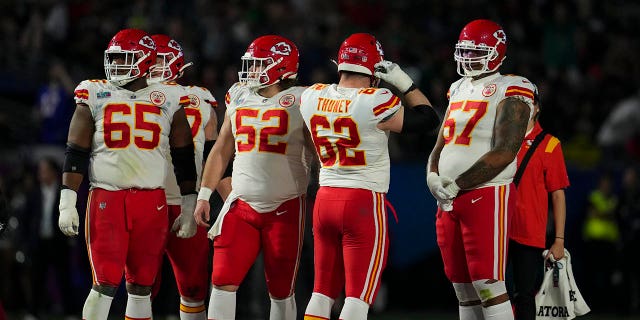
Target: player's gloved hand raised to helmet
(68, 220)
(185, 225)
(392, 73)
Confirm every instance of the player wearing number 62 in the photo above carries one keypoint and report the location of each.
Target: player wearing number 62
(265, 210)
(120, 133)
(350, 123)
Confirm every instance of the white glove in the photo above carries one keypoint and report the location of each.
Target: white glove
(185, 225)
(68, 220)
(451, 188)
(392, 73)
(436, 185)
(446, 205)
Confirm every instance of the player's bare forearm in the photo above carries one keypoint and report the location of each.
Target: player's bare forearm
(511, 123)
(72, 180)
(558, 203)
(219, 157)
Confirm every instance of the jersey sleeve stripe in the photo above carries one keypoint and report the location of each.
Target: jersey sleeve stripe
(184, 100)
(82, 94)
(381, 108)
(227, 98)
(519, 91)
(213, 103)
(551, 145)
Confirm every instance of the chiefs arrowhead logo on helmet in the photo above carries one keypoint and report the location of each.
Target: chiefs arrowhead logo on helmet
(148, 42)
(501, 36)
(282, 48)
(174, 45)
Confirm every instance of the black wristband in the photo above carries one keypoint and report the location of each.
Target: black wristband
(62, 187)
(411, 88)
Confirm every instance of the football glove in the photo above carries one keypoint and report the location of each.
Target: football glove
(392, 73)
(451, 188)
(436, 185)
(68, 220)
(446, 205)
(185, 225)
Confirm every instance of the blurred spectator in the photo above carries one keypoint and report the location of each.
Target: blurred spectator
(55, 104)
(49, 248)
(621, 131)
(601, 237)
(628, 212)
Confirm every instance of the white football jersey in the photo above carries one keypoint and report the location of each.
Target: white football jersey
(270, 164)
(201, 104)
(343, 122)
(131, 133)
(470, 118)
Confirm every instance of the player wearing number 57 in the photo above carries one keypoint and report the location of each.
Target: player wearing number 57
(471, 169)
(265, 210)
(120, 133)
(350, 124)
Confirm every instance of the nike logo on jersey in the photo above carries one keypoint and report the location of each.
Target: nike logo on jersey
(278, 213)
(475, 200)
(160, 207)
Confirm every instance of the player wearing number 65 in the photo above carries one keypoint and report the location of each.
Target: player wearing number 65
(265, 210)
(120, 133)
(350, 123)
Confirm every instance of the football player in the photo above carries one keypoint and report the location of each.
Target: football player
(266, 208)
(471, 168)
(350, 124)
(120, 133)
(188, 257)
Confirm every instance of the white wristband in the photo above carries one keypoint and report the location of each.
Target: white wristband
(68, 198)
(205, 193)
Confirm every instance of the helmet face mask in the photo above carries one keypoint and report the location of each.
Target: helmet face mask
(480, 49)
(129, 55)
(267, 61)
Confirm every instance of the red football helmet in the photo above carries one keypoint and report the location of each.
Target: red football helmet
(170, 60)
(481, 48)
(129, 56)
(359, 53)
(268, 60)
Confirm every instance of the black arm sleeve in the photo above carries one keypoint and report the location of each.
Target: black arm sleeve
(76, 159)
(420, 118)
(184, 163)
